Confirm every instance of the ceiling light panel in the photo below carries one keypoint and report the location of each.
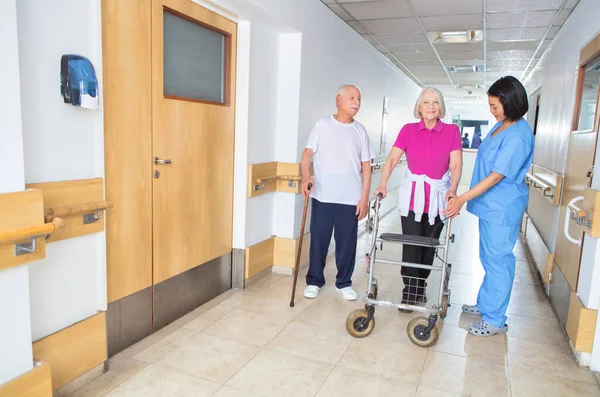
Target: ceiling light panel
(395, 25)
(426, 8)
(379, 9)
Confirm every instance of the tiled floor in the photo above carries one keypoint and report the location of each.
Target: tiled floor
(251, 343)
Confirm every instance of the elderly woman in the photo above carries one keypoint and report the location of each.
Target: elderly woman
(498, 196)
(434, 156)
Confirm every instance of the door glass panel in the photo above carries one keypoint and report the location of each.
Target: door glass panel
(589, 96)
(195, 60)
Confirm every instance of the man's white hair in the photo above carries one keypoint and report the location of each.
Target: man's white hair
(340, 91)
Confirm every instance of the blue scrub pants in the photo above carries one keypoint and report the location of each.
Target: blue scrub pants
(496, 244)
(340, 219)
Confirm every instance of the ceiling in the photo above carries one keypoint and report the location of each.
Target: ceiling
(514, 34)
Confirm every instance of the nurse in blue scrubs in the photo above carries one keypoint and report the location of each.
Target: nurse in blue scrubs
(498, 196)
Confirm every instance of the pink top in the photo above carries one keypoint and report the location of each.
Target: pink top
(428, 151)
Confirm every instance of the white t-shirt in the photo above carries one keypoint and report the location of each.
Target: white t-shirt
(338, 151)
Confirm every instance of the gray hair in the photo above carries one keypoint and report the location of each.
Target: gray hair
(342, 89)
(440, 97)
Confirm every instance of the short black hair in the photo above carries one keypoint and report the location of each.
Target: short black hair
(512, 96)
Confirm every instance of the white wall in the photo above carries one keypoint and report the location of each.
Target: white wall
(61, 142)
(15, 328)
(317, 53)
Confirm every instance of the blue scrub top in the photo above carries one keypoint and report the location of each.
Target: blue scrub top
(508, 153)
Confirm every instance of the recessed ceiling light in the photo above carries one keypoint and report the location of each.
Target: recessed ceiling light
(464, 68)
(465, 36)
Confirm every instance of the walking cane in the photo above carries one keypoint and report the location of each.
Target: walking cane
(297, 265)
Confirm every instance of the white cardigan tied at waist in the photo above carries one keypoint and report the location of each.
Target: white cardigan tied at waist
(437, 198)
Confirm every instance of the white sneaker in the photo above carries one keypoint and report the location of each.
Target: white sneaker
(311, 291)
(348, 293)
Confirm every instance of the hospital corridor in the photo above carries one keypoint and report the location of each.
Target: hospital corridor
(299, 198)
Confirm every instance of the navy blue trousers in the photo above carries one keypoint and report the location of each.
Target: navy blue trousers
(325, 219)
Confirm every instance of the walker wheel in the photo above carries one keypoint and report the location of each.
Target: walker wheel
(445, 304)
(357, 324)
(417, 334)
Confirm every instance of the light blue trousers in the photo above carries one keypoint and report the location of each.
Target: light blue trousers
(496, 244)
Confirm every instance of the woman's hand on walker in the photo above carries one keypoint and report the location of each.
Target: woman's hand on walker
(455, 205)
(380, 190)
(450, 194)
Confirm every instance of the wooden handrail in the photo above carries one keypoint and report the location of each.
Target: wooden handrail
(76, 209)
(538, 183)
(279, 177)
(20, 235)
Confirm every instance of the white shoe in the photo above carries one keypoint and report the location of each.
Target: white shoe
(311, 291)
(348, 293)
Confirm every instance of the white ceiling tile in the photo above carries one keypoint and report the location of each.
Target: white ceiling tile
(461, 55)
(571, 3)
(399, 48)
(412, 63)
(457, 22)
(411, 38)
(459, 47)
(396, 25)
(338, 10)
(522, 5)
(417, 57)
(525, 19)
(423, 48)
(508, 63)
(510, 54)
(357, 26)
(428, 69)
(434, 80)
(513, 45)
(379, 9)
(355, 1)
(515, 34)
(446, 8)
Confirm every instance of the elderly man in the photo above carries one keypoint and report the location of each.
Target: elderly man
(341, 151)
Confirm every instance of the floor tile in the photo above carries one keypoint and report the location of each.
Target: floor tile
(312, 342)
(209, 317)
(255, 329)
(532, 329)
(277, 374)
(464, 376)
(227, 391)
(425, 392)
(208, 357)
(553, 360)
(526, 383)
(458, 341)
(352, 383)
(155, 381)
(379, 357)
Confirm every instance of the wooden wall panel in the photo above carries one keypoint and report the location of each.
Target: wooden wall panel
(285, 251)
(126, 56)
(21, 210)
(259, 257)
(36, 382)
(581, 325)
(73, 350)
(65, 193)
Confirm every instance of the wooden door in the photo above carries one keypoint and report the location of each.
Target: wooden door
(580, 159)
(193, 88)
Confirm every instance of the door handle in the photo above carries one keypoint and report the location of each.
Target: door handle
(568, 212)
(165, 161)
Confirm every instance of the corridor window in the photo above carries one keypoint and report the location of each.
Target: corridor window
(195, 60)
(589, 96)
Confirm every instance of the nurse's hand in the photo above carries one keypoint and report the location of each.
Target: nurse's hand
(380, 190)
(454, 207)
(450, 194)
